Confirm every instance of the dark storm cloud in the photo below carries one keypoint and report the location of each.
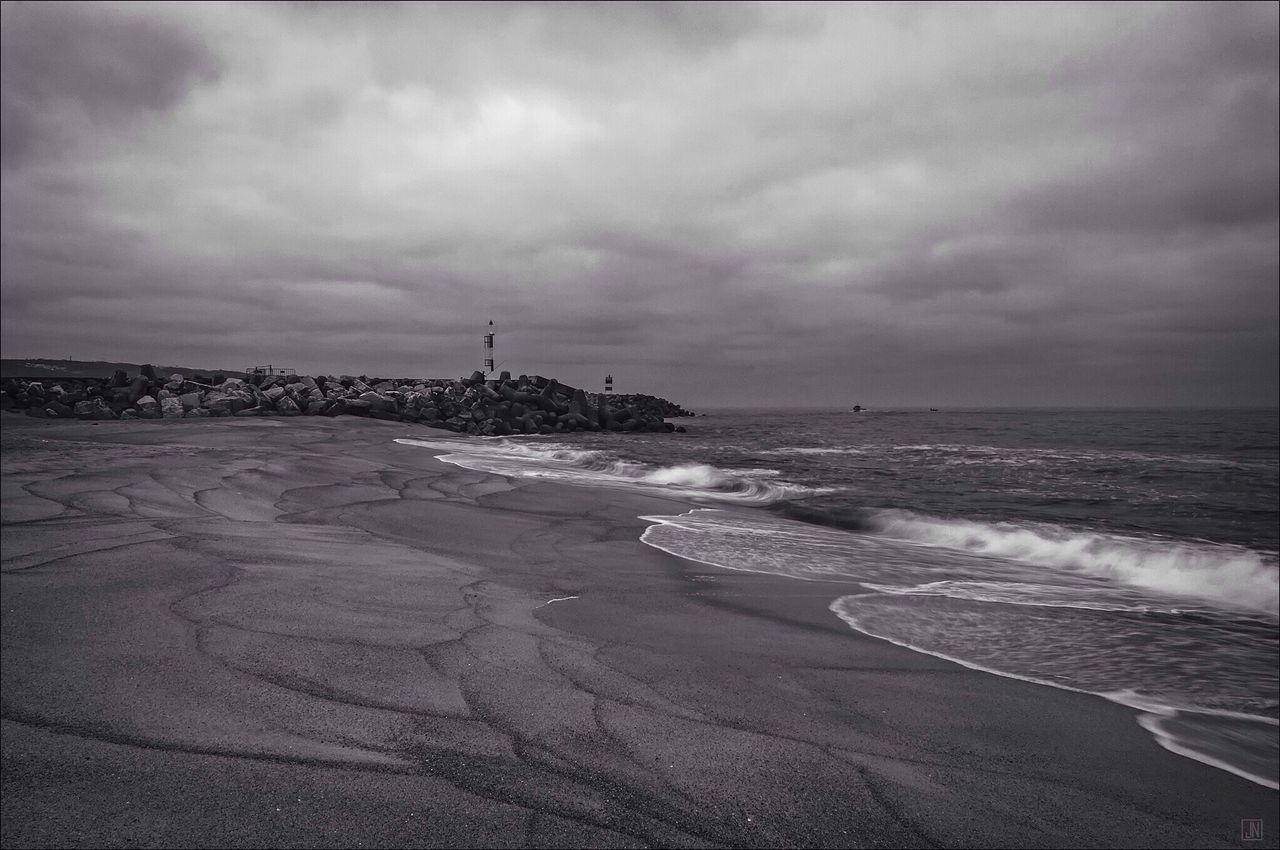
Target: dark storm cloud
(1191, 133)
(789, 203)
(107, 64)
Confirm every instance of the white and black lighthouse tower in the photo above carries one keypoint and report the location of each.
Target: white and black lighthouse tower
(488, 350)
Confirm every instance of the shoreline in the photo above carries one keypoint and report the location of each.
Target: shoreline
(658, 701)
(1148, 713)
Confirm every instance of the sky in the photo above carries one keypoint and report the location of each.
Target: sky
(727, 205)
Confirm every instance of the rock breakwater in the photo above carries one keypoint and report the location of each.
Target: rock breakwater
(472, 405)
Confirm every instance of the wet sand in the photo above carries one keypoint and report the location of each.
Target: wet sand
(267, 632)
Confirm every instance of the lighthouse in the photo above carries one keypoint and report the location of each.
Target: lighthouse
(608, 383)
(488, 350)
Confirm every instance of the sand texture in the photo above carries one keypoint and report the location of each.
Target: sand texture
(260, 632)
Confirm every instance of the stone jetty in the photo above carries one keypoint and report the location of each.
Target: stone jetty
(472, 405)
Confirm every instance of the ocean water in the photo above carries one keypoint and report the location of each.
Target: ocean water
(1128, 554)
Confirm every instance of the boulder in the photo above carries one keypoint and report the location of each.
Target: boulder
(94, 409)
(137, 388)
(222, 403)
(190, 401)
(170, 407)
(377, 401)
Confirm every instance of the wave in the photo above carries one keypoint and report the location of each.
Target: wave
(1230, 575)
(1100, 598)
(1029, 563)
(817, 450)
(1066, 628)
(962, 454)
(1234, 576)
(572, 465)
(842, 516)
(1237, 742)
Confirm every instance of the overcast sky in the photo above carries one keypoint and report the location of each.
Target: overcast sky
(726, 205)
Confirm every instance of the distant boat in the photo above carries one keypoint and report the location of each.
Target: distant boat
(933, 410)
(857, 408)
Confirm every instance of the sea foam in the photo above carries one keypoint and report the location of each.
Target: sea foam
(1230, 575)
(1241, 743)
(570, 465)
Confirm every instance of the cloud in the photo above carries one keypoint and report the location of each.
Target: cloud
(68, 70)
(788, 203)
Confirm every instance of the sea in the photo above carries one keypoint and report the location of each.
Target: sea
(1130, 554)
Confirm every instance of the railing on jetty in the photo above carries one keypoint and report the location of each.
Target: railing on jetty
(269, 369)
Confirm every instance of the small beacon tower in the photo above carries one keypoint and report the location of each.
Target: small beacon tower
(608, 383)
(488, 350)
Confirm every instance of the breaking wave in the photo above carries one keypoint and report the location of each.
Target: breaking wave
(1230, 575)
(557, 462)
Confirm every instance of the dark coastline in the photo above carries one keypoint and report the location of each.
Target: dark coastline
(187, 660)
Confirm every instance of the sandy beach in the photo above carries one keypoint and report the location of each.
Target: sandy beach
(270, 632)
